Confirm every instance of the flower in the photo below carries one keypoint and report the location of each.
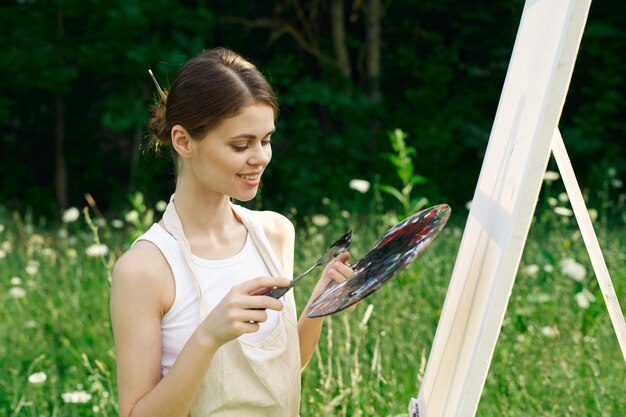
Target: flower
(584, 298)
(132, 216)
(16, 281)
(71, 215)
(550, 176)
(319, 220)
(100, 221)
(563, 211)
(37, 378)
(552, 201)
(361, 186)
(6, 246)
(76, 397)
(548, 268)
(71, 253)
(3, 254)
(563, 197)
(548, 331)
(1, 228)
(32, 267)
(161, 205)
(62, 234)
(17, 292)
(532, 270)
(97, 250)
(117, 223)
(572, 269)
(616, 183)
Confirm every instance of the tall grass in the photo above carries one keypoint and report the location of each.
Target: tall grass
(557, 354)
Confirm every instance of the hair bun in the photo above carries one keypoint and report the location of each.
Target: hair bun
(158, 127)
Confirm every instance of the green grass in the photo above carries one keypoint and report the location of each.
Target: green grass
(553, 358)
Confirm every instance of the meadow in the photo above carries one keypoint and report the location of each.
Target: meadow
(557, 354)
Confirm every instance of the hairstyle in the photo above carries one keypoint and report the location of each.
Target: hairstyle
(209, 88)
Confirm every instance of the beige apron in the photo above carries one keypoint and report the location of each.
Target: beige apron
(245, 378)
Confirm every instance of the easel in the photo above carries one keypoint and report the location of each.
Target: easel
(524, 132)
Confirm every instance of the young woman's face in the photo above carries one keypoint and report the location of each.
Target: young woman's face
(231, 158)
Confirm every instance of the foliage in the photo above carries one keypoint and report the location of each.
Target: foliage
(557, 354)
(442, 69)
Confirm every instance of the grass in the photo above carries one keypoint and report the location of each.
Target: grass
(553, 357)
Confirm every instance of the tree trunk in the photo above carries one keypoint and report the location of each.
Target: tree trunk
(373, 48)
(60, 178)
(339, 37)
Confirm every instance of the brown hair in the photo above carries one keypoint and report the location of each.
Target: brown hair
(209, 88)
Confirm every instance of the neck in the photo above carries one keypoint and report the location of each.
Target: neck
(201, 212)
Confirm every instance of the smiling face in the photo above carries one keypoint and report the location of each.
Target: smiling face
(231, 158)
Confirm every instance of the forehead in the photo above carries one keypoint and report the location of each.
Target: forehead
(255, 119)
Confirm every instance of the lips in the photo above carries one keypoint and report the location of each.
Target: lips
(249, 177)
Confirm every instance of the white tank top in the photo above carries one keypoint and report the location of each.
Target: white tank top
(216, 278)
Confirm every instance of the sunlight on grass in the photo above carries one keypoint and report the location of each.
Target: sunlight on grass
(557, 354)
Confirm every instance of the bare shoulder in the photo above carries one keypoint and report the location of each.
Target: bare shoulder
(142, 274)
(277, 227)
(281, 235)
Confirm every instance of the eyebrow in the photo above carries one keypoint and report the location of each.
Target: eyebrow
(250, 136)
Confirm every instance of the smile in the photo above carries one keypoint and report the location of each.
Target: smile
(249, 177)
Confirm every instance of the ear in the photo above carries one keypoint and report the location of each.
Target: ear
(181, 141)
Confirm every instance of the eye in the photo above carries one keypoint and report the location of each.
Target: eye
(266, 142)
(239, 148)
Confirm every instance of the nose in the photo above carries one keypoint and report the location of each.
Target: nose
(260, 156)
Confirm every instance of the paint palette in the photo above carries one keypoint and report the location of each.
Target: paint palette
(396, 249)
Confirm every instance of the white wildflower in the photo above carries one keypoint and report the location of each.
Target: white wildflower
(3, 254)
(6, 246)
(161, 205)
(71, 253)
(584, 298)
(550, 176)
(563, 211)
(532, 270)
(345, 214)
(76, 397)
(552, 201)
(319, 220)
(361, 186)
(17, 292)
(132, 216)
(100, 222)
(16, 281)
(48, 252)
(32, 267)
(563, 197)
(548, 268)
(548, 331)
(117, 223)
(616, 183)
(572, 269)
(1, 228)
(95, 409)
(97, 250)
(62, 234)
(30, 324)
(37, 378)
(71, 215)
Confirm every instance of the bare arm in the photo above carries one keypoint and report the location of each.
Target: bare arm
(138, 296)
(281, 234)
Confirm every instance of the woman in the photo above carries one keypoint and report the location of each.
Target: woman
(191, 336)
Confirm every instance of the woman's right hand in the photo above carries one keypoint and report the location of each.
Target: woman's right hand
(240, 311)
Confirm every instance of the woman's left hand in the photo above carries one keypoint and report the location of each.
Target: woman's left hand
(337, 270)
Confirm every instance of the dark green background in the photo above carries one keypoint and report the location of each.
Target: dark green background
(443, 64)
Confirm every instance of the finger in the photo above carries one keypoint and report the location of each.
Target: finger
(260, 302)
(337, 276)
(255, 316)
(343, 269)
(343, 258)
(256, 284)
